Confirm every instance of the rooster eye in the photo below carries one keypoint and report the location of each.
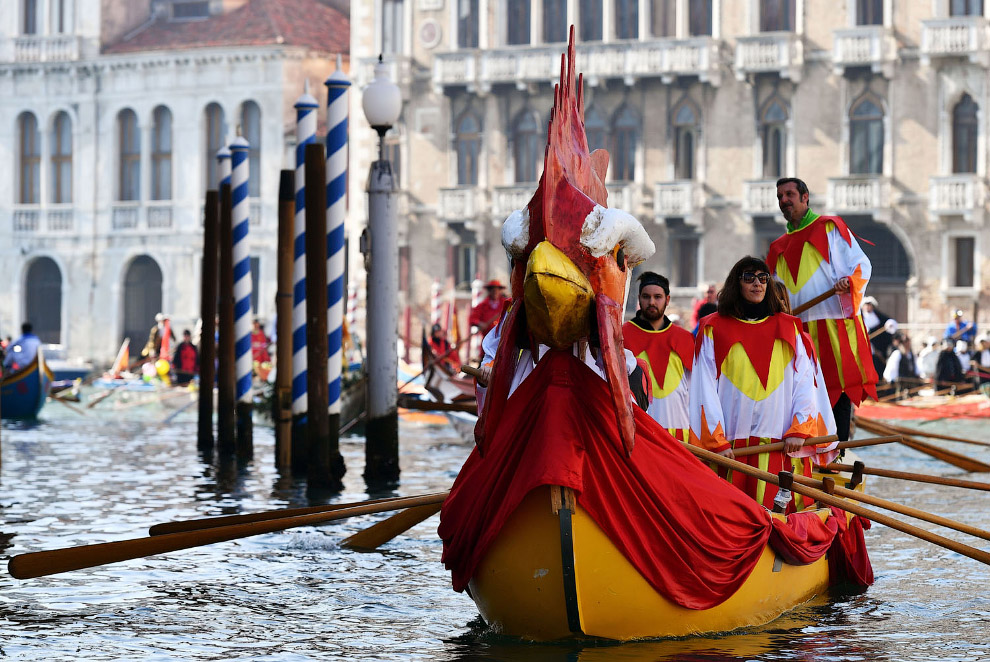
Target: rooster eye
(620, 258)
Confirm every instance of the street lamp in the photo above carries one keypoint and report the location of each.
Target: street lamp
(382, 103)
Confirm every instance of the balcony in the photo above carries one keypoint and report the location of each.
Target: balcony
(398, 67)
(625, 60)
(628, 196)
(781, 53)
(59, 218)
(507, 199)
(962, 195)
(461, 203)
(679, 199)
(760, 197)
(52, 219)
(860, 194)
(960, 36)
(27, 219)
(47, 48)
(152, 217)
(870, 46)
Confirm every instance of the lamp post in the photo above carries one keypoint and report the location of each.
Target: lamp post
(382, 103)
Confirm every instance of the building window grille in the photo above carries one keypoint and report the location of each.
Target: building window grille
(866, 138)
(467, 23)
(591, 20)
(468, 143)
(129, 141)
(773, 131)
(625, 136)
(161, 154)
(685, 141)
(962, 264)
(62, 159)
(251, 130)
(30, 160)
(965, 128)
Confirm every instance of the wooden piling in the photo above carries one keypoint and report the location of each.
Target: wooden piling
(208, 312)
(282, 402)
(226, 397)
(325, 466)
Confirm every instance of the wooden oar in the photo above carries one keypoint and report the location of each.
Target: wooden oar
(814, 302)
(100, 397)
(855, 443)
(845, 504)
(924, 433)
(432, 362)
(68, 404)
(896, 507)
(429, 405)
(920, 478)
(40, 564)
(956, 459)
(380, 533)
(182, 526)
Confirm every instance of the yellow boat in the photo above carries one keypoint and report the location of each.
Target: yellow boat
(551, 575)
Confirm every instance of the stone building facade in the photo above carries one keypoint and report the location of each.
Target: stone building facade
(880, 105)
(110, 113)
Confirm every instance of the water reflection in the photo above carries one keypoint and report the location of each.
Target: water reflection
(296, 595)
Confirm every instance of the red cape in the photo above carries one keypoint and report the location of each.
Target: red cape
(693, 536)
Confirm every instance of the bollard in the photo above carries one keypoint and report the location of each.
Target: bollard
(241, 263)
(226, 442)
(283, 315)
(208, 313)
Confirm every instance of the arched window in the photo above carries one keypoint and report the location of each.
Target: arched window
(966, 8)
(467, 23)
(699, 17)
(554, 21)
(29, 16)
(866, 137)
(685, 140)
(773, 134)
(869, 12)
(61, 157)
(216, 135)
(129, 156)
(527, 146)
(625, 135)
(251, 130)
(43, 300)
(777, 15)
(595, 128)
(591, 20)
(29, 166)
(965, 129)
(662, 20)
(468, 140)
(161, 154)
(626, 19)
(517, 22)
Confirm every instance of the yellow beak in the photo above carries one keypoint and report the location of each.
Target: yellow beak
(558, 298)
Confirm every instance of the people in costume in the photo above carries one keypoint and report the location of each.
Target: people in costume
(753, 381)
(443, 352)
(668, 351)
(817, 254)
(484, 316)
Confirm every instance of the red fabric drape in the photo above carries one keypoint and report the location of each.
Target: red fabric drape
(848, 560)
(694, 537)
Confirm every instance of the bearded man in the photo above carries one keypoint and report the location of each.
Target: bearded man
(667, 349)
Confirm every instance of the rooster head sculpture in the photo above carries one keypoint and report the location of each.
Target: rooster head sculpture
(571, 260)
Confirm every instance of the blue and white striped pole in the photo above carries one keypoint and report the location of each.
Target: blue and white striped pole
(337, 88)
(305, 133)
(223, 166)
(243, 361)
(226, 380)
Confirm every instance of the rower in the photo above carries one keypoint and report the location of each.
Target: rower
(22, 351)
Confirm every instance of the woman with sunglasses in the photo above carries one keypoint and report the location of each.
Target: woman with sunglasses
(754, 381)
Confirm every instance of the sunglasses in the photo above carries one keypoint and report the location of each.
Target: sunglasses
(748, 277)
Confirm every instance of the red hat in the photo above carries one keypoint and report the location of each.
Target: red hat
(494, 283)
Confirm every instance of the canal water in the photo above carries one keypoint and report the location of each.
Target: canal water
(72, 480)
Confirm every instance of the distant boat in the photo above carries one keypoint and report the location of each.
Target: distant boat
(23, 393)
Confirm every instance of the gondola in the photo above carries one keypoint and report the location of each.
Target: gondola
(23, 393)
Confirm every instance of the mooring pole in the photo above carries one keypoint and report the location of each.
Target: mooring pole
(283, 315)
(208, 313)
(242, 286)
(382, 103)
(324, 465)
(226, 399)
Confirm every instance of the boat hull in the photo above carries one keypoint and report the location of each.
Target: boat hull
(23, 394)
(550, 576)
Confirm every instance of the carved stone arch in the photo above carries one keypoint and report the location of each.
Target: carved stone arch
(142, 280)
(43, 284)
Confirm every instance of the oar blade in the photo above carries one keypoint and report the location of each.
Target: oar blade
(384, 531)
